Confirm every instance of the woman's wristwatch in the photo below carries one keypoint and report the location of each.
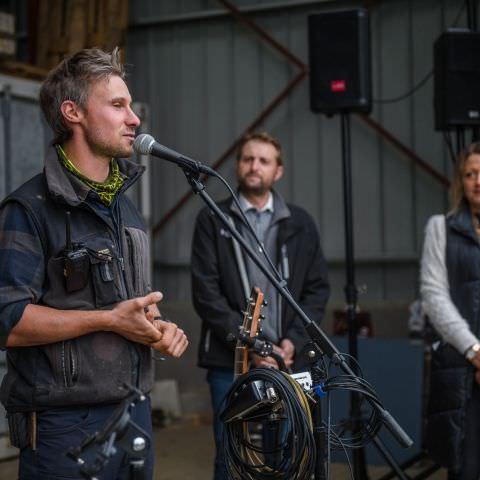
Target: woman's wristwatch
(472, 351)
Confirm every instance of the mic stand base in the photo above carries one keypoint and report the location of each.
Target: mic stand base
(119, 431)
(137, 469)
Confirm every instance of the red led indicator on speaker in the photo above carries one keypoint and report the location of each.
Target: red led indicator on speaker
(338, 86)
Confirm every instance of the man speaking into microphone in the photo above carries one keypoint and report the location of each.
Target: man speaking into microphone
(78, 316)
(222, 275)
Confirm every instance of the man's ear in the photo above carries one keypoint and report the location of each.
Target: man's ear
(71, 111)
(279, 173)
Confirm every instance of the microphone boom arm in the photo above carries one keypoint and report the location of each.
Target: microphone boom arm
(321, 341)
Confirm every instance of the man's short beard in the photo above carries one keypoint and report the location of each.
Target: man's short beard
(255, 191)
(102, 148)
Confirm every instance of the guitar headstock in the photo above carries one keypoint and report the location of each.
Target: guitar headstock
(252, 316)
(250, 327)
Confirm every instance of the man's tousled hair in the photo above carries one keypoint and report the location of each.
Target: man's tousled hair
(71, 80)
(261, 137)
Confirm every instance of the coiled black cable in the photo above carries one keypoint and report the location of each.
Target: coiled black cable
(371, 420)
(294, 452)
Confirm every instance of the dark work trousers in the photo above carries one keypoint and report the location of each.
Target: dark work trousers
(62, 428)
(470, 469)
(220, 380)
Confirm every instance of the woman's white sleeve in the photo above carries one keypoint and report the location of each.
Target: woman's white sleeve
(435, 290)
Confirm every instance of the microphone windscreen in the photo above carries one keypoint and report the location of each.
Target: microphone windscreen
(143, 144)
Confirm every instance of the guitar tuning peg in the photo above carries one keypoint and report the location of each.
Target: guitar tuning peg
(265, 303)
(262, 317)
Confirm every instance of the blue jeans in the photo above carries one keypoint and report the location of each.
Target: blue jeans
(62, 428)
(220, 380)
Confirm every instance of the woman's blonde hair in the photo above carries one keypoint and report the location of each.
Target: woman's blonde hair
(457, 193)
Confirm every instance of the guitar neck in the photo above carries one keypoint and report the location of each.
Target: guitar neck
(250, 325)
(241, 361)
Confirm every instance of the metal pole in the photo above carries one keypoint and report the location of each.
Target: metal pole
(350, 288)
(359, 462)
(145, 191)
(472, 15)
(319, 436)
(473, 27)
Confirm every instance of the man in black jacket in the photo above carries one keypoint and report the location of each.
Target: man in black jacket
(77, 314)
(222, 275)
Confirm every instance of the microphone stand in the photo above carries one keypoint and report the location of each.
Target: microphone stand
(118, 431)
(319, 338)
(260, 347)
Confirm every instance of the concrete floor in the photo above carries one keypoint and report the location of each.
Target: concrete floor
(185, 451)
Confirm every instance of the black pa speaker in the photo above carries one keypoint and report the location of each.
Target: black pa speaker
(457, 79)
(340, 66)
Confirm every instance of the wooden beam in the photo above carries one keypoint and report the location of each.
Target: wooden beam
(68, 26)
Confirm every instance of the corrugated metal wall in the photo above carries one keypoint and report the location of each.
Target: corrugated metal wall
(206, 76)
(23, 134)
(22, 143)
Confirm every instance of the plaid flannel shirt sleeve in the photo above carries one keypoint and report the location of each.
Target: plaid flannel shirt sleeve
(21, 266)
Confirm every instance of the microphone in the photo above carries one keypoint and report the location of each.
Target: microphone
(145, 144)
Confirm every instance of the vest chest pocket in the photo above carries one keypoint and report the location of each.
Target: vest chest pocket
(105, 275)
(88, 276)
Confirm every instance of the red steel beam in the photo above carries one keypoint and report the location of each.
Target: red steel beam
(404, 149)
(256, 123)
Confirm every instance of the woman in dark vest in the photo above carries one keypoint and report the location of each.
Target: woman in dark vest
(450, 288)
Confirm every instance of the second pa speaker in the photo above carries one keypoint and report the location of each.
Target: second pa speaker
(340, 64)
(457, 79)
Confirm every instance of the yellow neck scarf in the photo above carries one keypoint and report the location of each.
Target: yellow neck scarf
(105, 190)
